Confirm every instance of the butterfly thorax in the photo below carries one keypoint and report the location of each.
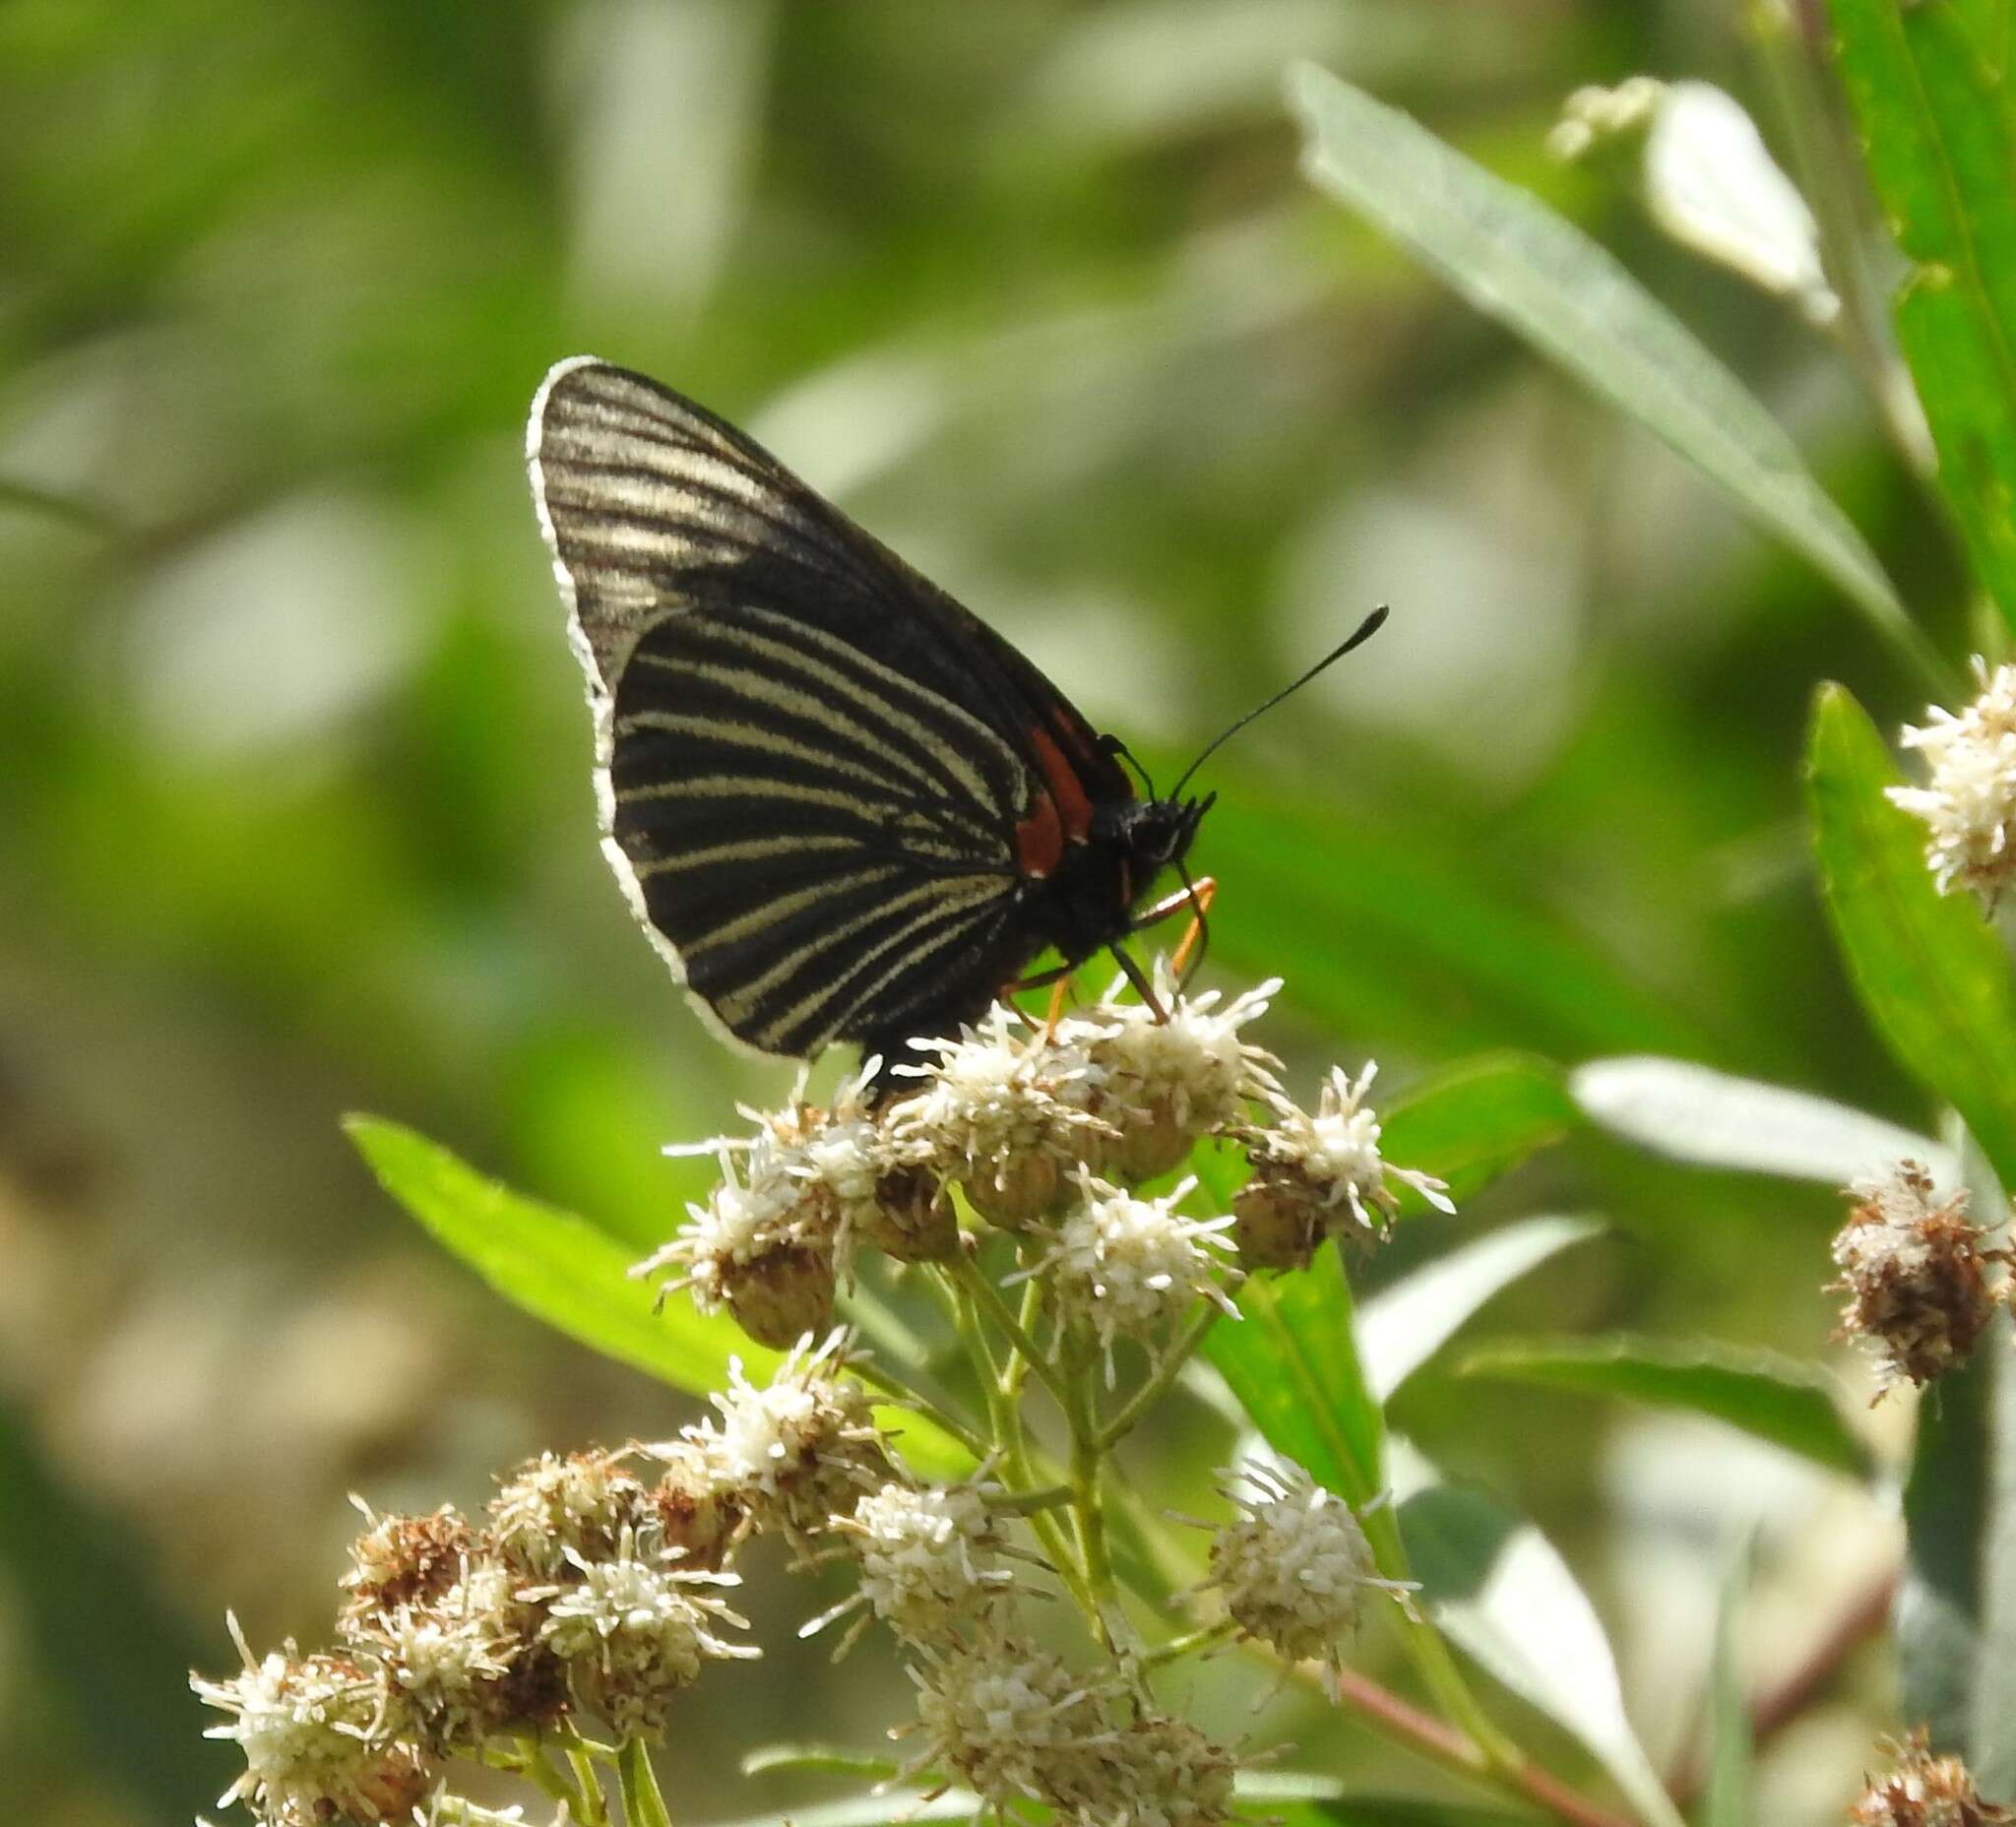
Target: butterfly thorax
(1088, 902)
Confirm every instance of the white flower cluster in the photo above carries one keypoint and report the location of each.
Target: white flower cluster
(1969, 801)
(1322, 1175)
(1290, 1567)
(586, 1589)
(1013, 1724)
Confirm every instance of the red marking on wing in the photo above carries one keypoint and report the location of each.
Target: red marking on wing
(1066, 789)
(1039, 838)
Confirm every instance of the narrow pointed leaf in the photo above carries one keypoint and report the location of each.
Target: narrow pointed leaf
(1496, 1585)
(1931, 974)
(1476, 1120)
(1776, 1399)
(1404, 1324)
(1928, 87)
(1519, 262)
(1694, 1114)
(565, 1272)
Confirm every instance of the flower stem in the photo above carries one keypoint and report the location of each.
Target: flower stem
(1392, 1715)
(644, 1804)
(1028, 1502)
(973, 1279)
(904, 1395)
(1157, 1386)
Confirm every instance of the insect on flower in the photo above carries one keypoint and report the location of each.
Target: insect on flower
(843, 808)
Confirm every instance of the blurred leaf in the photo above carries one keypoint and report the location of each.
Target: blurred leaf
(1692, 1113)
(1956, 1602)
(831, 1759)
(1404, 1324)
(563, 1271)
(1476, 1120)
(870, 1810)
(1932, 102)
(1543, 277)
(1290, 1361)
(1437, 957)
(100, 1638)
(1731, 1756)
(1497, 1586)
(1776, 1399)
(1931, 973)
(1346, 1810)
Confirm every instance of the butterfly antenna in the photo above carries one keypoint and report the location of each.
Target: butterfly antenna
(1115, 746)
(1365, 631)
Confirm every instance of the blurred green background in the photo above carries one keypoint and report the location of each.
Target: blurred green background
(294, 813)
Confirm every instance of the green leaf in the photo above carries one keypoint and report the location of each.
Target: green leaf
(1437, 958)
(1932, 105)
(1956, 1601)
(1694, 1114)
(1932, 974)
(1476, 1120)
(826, 1759)
(109, 1652)
(1290, 1360)
(1404, 1324)
(1351, 1810)
(1776, 1399)
(1497, 1586)
(1540, 275)
(565, 1272)
(1732, 1755)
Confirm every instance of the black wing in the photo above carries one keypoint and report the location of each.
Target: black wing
(810, 763)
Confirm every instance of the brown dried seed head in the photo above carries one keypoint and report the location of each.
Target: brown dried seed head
(405, 1560)
(913, 1219)
(1281, 1218)
(783, 1293)
(1924, 1791)
(1916, 1274)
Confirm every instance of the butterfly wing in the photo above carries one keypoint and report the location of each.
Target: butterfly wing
(816, 773)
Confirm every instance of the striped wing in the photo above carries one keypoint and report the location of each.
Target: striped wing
(807, 757)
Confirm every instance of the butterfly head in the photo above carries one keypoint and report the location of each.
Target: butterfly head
(1157, 834)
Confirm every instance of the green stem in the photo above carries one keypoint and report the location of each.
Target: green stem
(973, 1279)
(902, 1394)
(1028, 1502)
(644, 1804)
(1087, 1514)
(1158, 1384)
(1204, 1638)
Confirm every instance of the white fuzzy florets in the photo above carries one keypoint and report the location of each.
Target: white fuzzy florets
(633, 1631)
(1006, 1718)
(1130, 1265)
(1291, 1568)
(1969, 801)
(924, 1553)
(799, 1451)
(315, 1735)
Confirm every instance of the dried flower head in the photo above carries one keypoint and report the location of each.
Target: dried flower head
(694, 1511)
(1163, 1084)
(763, 1245)
(1291, 1568)
(317, 1732)
(1130, 1266)
(1005, 1718)
(1319, 1175)
(450, 1658)
(1969, 801)
(1924, 1792)
(1915, 1273)
(798, 1452)
(1154, 1772)
(1003, 1111)
(405, 1560)
(633, 1629)
(924, 1553)
(553, 1506)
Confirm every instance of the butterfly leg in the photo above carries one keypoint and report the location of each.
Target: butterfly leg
(1060, 993)
(1201, 895)
(1142, 987)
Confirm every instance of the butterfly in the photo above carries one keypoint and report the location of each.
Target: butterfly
(843, 808)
